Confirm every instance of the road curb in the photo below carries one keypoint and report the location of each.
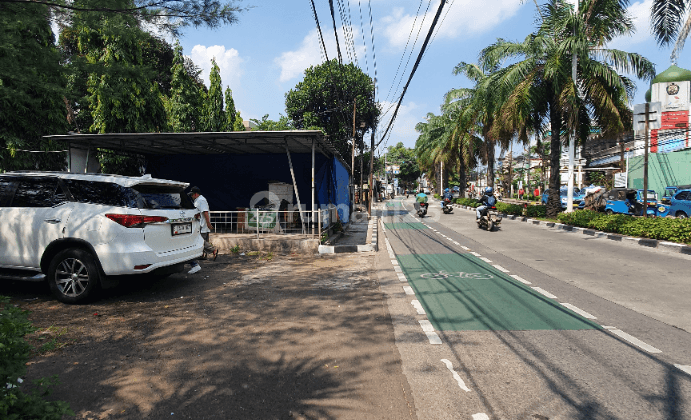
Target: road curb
(646, 242)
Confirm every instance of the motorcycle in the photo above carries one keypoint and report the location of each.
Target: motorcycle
(447, 207)
(489, 219)
(422, 209)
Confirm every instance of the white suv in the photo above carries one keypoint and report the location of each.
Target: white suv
(78, 231)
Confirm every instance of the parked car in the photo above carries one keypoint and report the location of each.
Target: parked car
(578, 199)
(680, 204)
(79, 231)
(630, 201)
(672, 191)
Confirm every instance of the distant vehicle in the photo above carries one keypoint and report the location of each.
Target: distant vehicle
(630, 201)
(672, 191)
(681, 204)
(578, 197)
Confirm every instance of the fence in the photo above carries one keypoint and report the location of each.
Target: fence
(273, 222)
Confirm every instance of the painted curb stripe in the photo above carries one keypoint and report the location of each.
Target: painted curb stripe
(579, 311)
(633, 340)
(456, 376)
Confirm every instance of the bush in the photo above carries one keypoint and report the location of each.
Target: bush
(660, 228)
(470, 202)
(537, 211)
(515, 209)
(14, 353)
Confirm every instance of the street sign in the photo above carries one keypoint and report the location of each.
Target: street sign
(620, 180)
(654, 116)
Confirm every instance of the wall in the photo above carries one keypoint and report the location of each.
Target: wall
(664, 169)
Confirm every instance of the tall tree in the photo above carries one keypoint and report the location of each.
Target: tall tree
(540, 84)
(183, 104)
(668, 24)
(32, 85)
(234, 120)
(265, 124)
(325, 98)
(171, 16)
(214, 117)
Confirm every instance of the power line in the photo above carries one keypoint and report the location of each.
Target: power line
(417, 63)
(364, 43)
(321, 37)
(333, 18)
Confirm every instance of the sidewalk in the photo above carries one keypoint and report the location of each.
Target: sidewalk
(359, 235)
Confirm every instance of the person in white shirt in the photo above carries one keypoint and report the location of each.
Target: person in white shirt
(203, 206)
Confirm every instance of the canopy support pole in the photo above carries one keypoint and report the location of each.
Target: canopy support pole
(295, 187)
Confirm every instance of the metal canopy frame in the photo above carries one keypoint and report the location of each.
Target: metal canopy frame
(234, 142)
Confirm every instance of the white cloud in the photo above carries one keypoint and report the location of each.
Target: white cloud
(640, 14)
(464, 17)
(403, 129)
(229, 63)
(293, 63)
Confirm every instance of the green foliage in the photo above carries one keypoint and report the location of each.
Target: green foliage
(660, 228)
(14, 353)
(183, 106)
(407, 159)
(32, 85)
(265, 124)
(233, 118)
(470, 202)
(214, 117)
(325, 98)
(515, 209)
(537, 211)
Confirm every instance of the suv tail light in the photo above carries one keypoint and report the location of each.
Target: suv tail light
(133, 220)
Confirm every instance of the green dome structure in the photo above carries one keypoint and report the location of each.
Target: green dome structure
(672, 74)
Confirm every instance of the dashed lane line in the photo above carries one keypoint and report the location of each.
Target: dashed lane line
(500, 268)
(428, 329)
(684, 368)
(544, 292)
(579, 311)
(456, 376)
(522, 280)
(485, 259)
(418, 307)
(633, 340)
(476, 254)
(408, 290)
(480, 416)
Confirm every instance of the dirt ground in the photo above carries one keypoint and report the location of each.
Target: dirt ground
(249, 337)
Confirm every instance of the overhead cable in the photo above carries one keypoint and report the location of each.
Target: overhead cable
(321, 37)
(417, 63)
(333, 18)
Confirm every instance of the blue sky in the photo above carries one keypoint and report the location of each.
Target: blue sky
(264, 55)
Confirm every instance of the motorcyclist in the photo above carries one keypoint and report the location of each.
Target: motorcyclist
(487, 200)
(447, 194)
(421, 197)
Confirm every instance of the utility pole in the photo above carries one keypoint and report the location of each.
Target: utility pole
(352, 159)
(572, 140)
(645, 165)
(654, 120)
(371, 174)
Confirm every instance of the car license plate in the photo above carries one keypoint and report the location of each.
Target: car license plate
(182, 228)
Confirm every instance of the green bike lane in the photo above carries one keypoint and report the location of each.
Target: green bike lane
(461, 292)
(508, 350)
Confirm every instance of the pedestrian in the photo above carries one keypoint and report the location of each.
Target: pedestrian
(203, 206)
(536, 193)
(520, 194)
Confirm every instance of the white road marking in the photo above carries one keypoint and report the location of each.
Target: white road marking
(397, 268)
(433, 337)
(522, 280)
(480, 416)
(408, 290)
(401, 277)
(420, 310)
(579, 311)
(456, 243)
(476, 254)
(456, 376)
(633, 340)
(394, 261)
(426, 325)
(686, 369)
(544, 292)
(500, 268)
(485, 259)
(465, 247)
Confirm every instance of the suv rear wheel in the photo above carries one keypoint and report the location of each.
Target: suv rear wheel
(73, 276)
(681, 215)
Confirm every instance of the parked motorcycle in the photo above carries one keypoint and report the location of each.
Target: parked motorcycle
(422, 209)
(447, 208)
(489, 219)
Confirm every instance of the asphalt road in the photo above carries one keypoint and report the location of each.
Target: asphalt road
(532, 323)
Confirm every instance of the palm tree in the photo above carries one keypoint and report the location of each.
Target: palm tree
(432, 146)
(478, 109)
(540, 83)
(667, 17)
